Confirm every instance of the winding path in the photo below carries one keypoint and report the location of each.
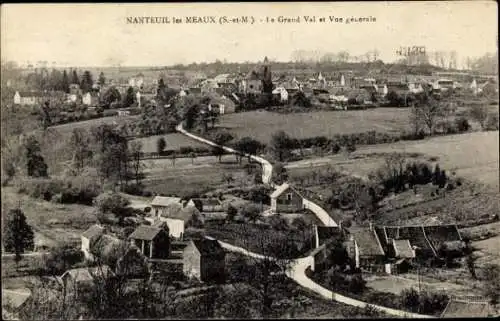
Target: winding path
(297, 268)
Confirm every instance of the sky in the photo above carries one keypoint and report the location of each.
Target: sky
(98, 35)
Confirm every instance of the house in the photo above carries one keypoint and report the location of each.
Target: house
(28, 98)
(382, 90)
(325, 233)
(76, 280)
(14, 302)
(160, 203)
(209, 86)
(221, 104)
(466, 308)
(88, 239)
(427, 241)
(206, 204)
(153, 242)
(286, 199)
(122, 113)
(365, 248)
(281, 93)
(204, 260)
(90, 100)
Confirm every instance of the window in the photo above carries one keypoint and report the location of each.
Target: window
(289, 196)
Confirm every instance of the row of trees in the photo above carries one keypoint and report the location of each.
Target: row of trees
(60, 81)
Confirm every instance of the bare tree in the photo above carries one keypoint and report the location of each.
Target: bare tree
(480, 114)
(428, 114)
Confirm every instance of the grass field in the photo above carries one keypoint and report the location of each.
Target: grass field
(174, 142)
(262, 124)
(204, 174)
(52, 223)
(87, 124)
(473, 156)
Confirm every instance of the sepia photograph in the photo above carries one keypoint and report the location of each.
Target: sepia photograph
(250, 160)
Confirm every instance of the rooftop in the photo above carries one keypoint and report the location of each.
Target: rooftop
(164, 200)
(93, 232)
(209, 247)
(145, 232)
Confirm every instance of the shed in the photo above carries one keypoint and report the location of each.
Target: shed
(152, 241)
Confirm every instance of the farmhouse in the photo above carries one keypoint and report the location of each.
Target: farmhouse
(204, 260)
(153, 242)
(88, 239)
(206, 204)
(365, 249)
(90, 99)
(160, 203)
(28, 98)
(286, 199)
(426, 241)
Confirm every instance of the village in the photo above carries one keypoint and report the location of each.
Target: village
(337, 186)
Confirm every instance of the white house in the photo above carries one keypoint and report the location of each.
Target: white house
(175, 227)
(27, 98)
(182, 93)
(415, 88)
(138, 98)
(382, 89)
(87, 99)
(17, 98)
(89, 237)
(281, 91)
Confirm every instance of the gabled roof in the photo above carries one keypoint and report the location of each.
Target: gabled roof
(458, 308)
(402, 249)
(367, 242)
(440, 234)
(177, 211)
(208, 247)
(328, 232)
(85, 274)
(93, 232)
(164, 200)
(282, 188)
(145, 232)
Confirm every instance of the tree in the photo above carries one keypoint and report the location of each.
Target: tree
(491, 286)
(161, 144)
(82, 152)
(251, 212)
(218, 152)
(36, 165)
(111, 95)
(480, 114)
(61, 258)
(192, 155)
(231, 213)
(222, 138)
(18, 235)
(102, 79)
(86, 82)
(65, 82)
(248, 145)
(471, 266)
(113, 203)
(136, 154)
(74, 77)
(280, 145)
(111, 153)
(279, 173)
(427, 113)
(129, 99)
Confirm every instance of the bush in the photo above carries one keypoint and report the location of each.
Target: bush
(109, 113)
(462, 124)
(492, 122)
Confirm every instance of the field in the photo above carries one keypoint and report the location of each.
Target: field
(262, 124)
(185, 177)
(473, 156)
(87, 124)
(174, 142)
(52, 223)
